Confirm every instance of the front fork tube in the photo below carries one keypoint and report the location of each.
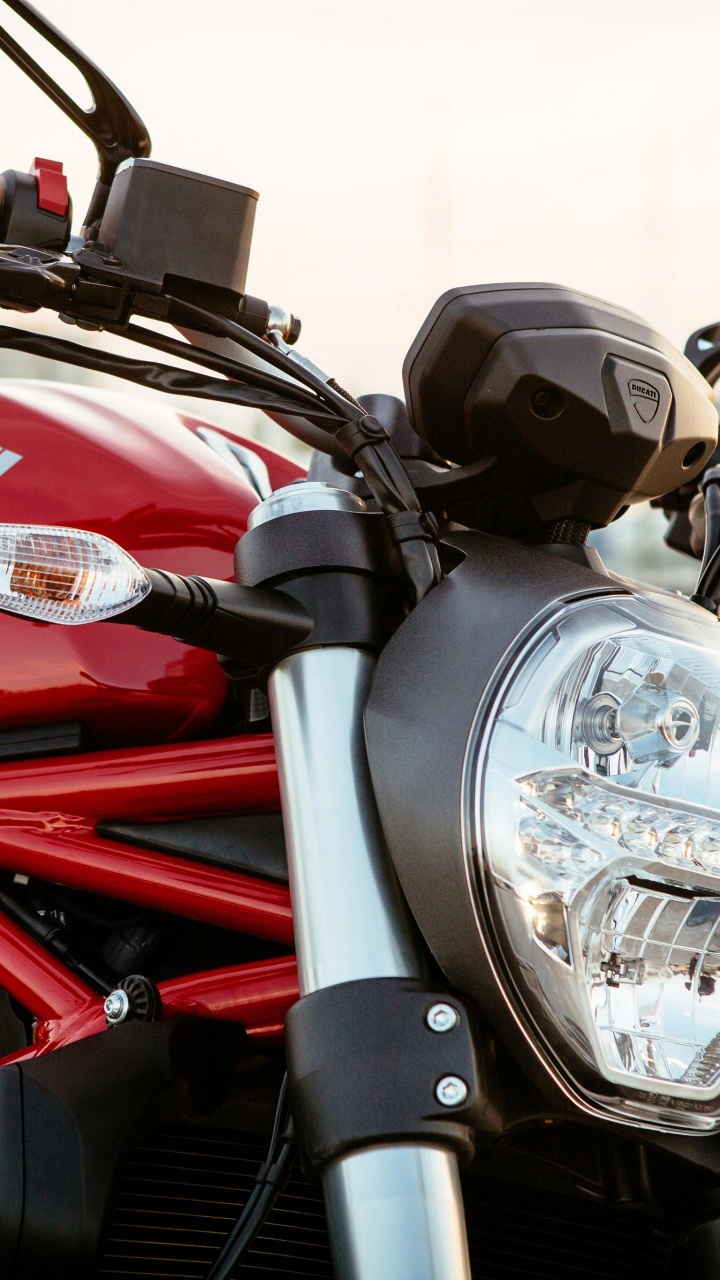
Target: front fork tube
(395, 1210)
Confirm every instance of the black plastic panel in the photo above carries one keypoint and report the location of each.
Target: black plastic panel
(253, 843)
(11, 1166)
(428, 683)
(41, 740)
(66, 1120)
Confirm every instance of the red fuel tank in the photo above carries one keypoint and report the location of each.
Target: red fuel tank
(136, 471)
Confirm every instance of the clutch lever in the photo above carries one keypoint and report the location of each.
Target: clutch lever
(112, 124)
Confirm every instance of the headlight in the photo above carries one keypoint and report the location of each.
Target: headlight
(592, 800)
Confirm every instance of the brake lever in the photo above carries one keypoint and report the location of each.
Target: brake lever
(112, 124)
(30, 279)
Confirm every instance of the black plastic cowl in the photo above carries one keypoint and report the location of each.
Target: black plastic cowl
(67, 1119)
(473, 619)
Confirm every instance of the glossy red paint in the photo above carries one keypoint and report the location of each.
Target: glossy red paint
(48, 812)
(258, 995)
(135, 471)
(67, 851)
(36, 979)
(229, 775)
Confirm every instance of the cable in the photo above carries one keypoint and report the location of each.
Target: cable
(213, 360)
(292, 366)
(708, 576)
(158, 377)
(413, 531)
(302, 429)
(51, 935)
(708, 581)
(297, 424)
(270, 1180)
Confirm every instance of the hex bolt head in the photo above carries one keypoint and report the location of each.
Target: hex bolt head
(117, 1006)
(451, 1091)
(442, 1017)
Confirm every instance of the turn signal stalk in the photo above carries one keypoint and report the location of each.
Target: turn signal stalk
(71, 576)
(256, 625)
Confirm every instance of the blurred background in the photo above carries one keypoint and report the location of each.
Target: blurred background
(403, 147)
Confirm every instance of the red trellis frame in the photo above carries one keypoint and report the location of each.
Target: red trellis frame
(49, 810)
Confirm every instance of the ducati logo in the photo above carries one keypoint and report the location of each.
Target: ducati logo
(644, 396)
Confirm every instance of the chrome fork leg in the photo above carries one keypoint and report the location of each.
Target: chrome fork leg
(394, 1211)
(397, 1211)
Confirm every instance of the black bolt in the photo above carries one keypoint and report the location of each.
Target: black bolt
(547, 402)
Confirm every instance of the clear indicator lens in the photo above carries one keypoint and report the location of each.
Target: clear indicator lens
(66, 575)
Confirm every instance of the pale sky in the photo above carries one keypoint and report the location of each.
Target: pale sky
(404, 147)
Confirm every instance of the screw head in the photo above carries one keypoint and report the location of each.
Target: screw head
(451, 1091)
(117, 1006)
(547, 402)
(442, 1017)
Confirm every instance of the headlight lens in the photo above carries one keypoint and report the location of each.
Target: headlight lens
(593, 825)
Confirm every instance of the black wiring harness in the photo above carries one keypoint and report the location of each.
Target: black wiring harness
(413, 531)
(270, 1180)
(315, 409)
(709, 576)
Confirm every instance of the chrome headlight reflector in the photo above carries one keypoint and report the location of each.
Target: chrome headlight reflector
(593, 842)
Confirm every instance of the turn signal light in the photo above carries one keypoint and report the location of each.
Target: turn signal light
(66, 575)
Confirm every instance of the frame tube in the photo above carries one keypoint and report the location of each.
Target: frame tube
(68, 852)
(257, 994)
(35, 978)
(231, 775)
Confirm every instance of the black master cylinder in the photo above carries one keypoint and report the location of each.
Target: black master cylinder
(176, 229)
(584, 408)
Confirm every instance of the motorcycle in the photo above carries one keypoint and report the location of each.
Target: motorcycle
(359, 838)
